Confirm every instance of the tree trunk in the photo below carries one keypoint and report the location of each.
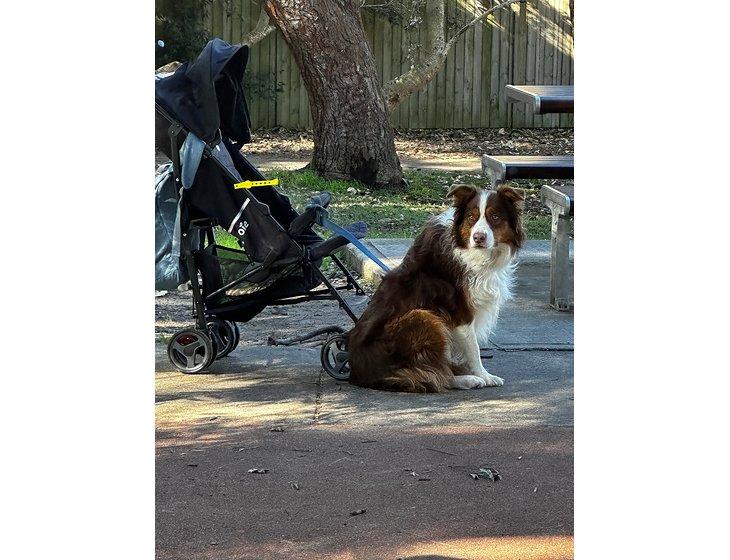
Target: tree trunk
(353, 138)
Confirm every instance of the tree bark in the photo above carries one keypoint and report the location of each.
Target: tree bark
(353, 138)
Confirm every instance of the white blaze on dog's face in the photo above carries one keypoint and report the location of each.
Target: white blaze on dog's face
(481, 234)
(484, 219)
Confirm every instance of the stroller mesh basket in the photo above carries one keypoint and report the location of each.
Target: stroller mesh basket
(220, 266)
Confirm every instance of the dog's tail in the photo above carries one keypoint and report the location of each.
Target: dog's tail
(414, 380)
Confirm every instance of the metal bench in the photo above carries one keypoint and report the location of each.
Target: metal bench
(543, 99)
(560, 200)
(504, 168)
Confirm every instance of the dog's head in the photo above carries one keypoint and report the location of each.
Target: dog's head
(485, 219)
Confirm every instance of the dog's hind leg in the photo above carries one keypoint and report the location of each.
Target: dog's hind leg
(420, 342)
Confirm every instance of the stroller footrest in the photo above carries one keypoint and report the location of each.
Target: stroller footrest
(329, 246)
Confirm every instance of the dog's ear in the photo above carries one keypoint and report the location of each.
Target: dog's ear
(513, 195)
(461, 193)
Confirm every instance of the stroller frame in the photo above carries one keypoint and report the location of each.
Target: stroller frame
(224, 335)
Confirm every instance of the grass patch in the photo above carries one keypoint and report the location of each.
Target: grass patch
(390, 212)
(538, 227)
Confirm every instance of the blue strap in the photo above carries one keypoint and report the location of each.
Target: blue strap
(334, 228)
(190, 155)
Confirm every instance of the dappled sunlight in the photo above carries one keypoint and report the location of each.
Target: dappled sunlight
(523, 547)
(494, 548)
(548, 18)
(268, 396)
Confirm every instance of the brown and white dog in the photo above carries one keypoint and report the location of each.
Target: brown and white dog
(422, 329)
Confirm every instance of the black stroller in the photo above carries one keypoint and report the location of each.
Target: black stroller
(201, 123)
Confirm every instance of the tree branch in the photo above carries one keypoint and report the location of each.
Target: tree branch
(401, 87)
(262, 29)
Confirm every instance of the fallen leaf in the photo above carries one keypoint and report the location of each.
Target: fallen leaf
(258, 471)
(488, 473)
(358, 512)
(277, 429)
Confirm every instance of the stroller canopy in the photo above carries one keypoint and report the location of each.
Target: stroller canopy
(207, 94)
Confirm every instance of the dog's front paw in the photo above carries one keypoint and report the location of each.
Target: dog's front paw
(469, 382)
(491, 380)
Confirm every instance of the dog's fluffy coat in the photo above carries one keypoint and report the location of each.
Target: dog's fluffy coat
(422, 330)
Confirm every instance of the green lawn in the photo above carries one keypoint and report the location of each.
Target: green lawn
(392, 213)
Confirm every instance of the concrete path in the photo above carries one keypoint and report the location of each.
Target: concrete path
(392, 250)
(331, 450)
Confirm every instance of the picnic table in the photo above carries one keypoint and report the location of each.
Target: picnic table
(544, 99)
(560, 199)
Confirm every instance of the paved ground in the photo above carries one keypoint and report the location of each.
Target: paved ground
(403, 459)
(392, 250)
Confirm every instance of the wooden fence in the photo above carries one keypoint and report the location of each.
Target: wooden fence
(528, 43)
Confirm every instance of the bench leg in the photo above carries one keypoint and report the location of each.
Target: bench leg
(561, 272)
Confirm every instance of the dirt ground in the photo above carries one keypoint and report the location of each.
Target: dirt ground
(453, 147)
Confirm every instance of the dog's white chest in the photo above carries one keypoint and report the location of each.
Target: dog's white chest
(488, 293)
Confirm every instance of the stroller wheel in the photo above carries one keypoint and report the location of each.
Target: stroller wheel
(191, 350)
(236, 332)
(335, 360)
(224, 337)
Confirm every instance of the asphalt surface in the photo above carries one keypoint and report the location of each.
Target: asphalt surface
(330, 450)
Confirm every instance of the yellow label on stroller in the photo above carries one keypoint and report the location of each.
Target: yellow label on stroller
(252, 184)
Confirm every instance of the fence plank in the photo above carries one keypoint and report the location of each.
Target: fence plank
(476, 76)
(530, 57)
(494, 91)
(468, 113)
(450, 67)
(422, 93)
(412, 59)
(395, 56)
(519, 63)
(459, 70)
(486, 72)
(282, 77)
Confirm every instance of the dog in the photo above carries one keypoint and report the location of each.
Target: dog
(422, 329)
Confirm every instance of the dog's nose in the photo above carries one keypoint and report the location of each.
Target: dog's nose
(480, 238)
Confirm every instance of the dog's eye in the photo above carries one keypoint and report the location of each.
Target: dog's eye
(495, 217)
(472, 219)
